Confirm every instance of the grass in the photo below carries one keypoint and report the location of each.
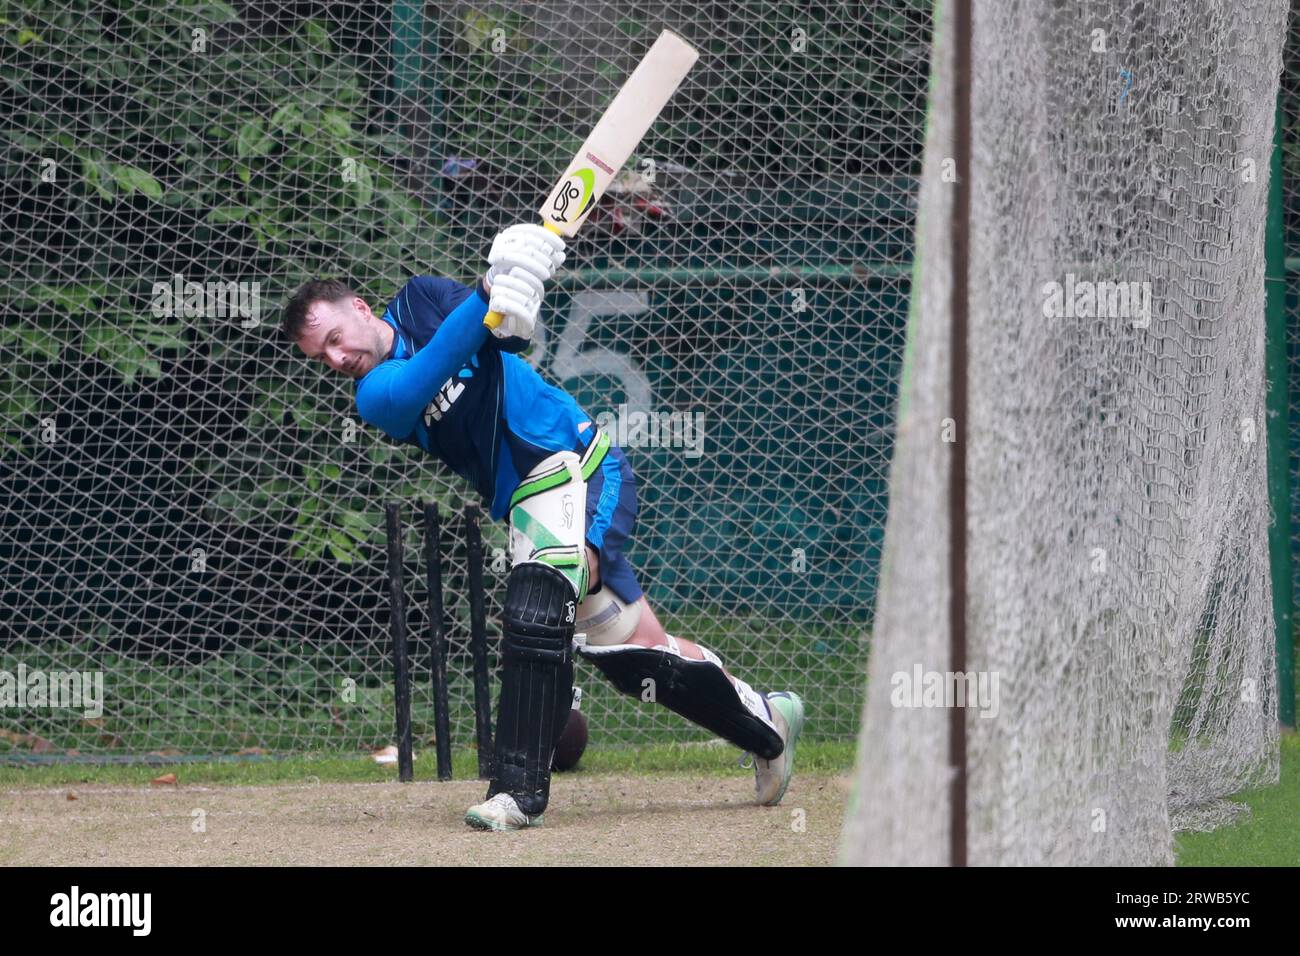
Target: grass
(1269, 837)
(295, 698)
(707, 760)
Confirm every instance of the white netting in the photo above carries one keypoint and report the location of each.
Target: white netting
(1118, 558)
(187, 507)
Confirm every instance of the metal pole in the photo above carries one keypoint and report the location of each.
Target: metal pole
(962, 24)
(1279, 456)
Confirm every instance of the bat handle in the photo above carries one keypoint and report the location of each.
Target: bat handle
(493, 319)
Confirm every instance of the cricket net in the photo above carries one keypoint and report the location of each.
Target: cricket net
(1119, 593)
(194, 512)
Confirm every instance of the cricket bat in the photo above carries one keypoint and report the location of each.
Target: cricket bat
(612, 140)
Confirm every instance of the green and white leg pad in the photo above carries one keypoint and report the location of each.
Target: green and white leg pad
(548, 519)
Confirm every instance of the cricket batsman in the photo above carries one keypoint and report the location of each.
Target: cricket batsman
(430, 372)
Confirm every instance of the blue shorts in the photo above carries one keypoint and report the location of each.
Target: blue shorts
(611, 518)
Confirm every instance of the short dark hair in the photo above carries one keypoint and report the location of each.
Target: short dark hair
(294, 320)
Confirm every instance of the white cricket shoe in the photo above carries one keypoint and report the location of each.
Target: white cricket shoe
(501, 813)
(772, 777)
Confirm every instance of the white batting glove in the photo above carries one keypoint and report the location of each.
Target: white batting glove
(528, 247)
(518, 297)
(523, 257)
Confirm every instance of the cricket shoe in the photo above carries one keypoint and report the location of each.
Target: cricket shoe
(501, 813)
(772, 777)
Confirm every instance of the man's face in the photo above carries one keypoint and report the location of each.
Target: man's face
(344, 335)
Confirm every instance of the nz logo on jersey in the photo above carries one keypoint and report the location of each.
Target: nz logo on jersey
(451, 390)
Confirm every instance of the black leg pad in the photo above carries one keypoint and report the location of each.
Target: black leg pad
(698, 690)
(536, 682)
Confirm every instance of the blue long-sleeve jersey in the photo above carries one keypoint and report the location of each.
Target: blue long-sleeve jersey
(458, 392)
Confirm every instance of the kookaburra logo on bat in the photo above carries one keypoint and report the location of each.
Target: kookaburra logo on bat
(568, 192)
(576, 193)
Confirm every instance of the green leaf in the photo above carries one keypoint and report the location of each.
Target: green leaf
(287, 118)
(19, 402)
(95, 174)
(161, 336)
(390, 143)
(309, 545)
(343, 547)
(215, 11)
(135, 179)
(37, 343)
(228, 214)
(148, 367)
(477, 29)
(337, 124)
(32, 144)
(13, 444)
(117, 349)
(317, 36)
(73, 298)
(356, 519)
(253, 140)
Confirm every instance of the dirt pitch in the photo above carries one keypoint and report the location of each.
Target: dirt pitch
(592, 820)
